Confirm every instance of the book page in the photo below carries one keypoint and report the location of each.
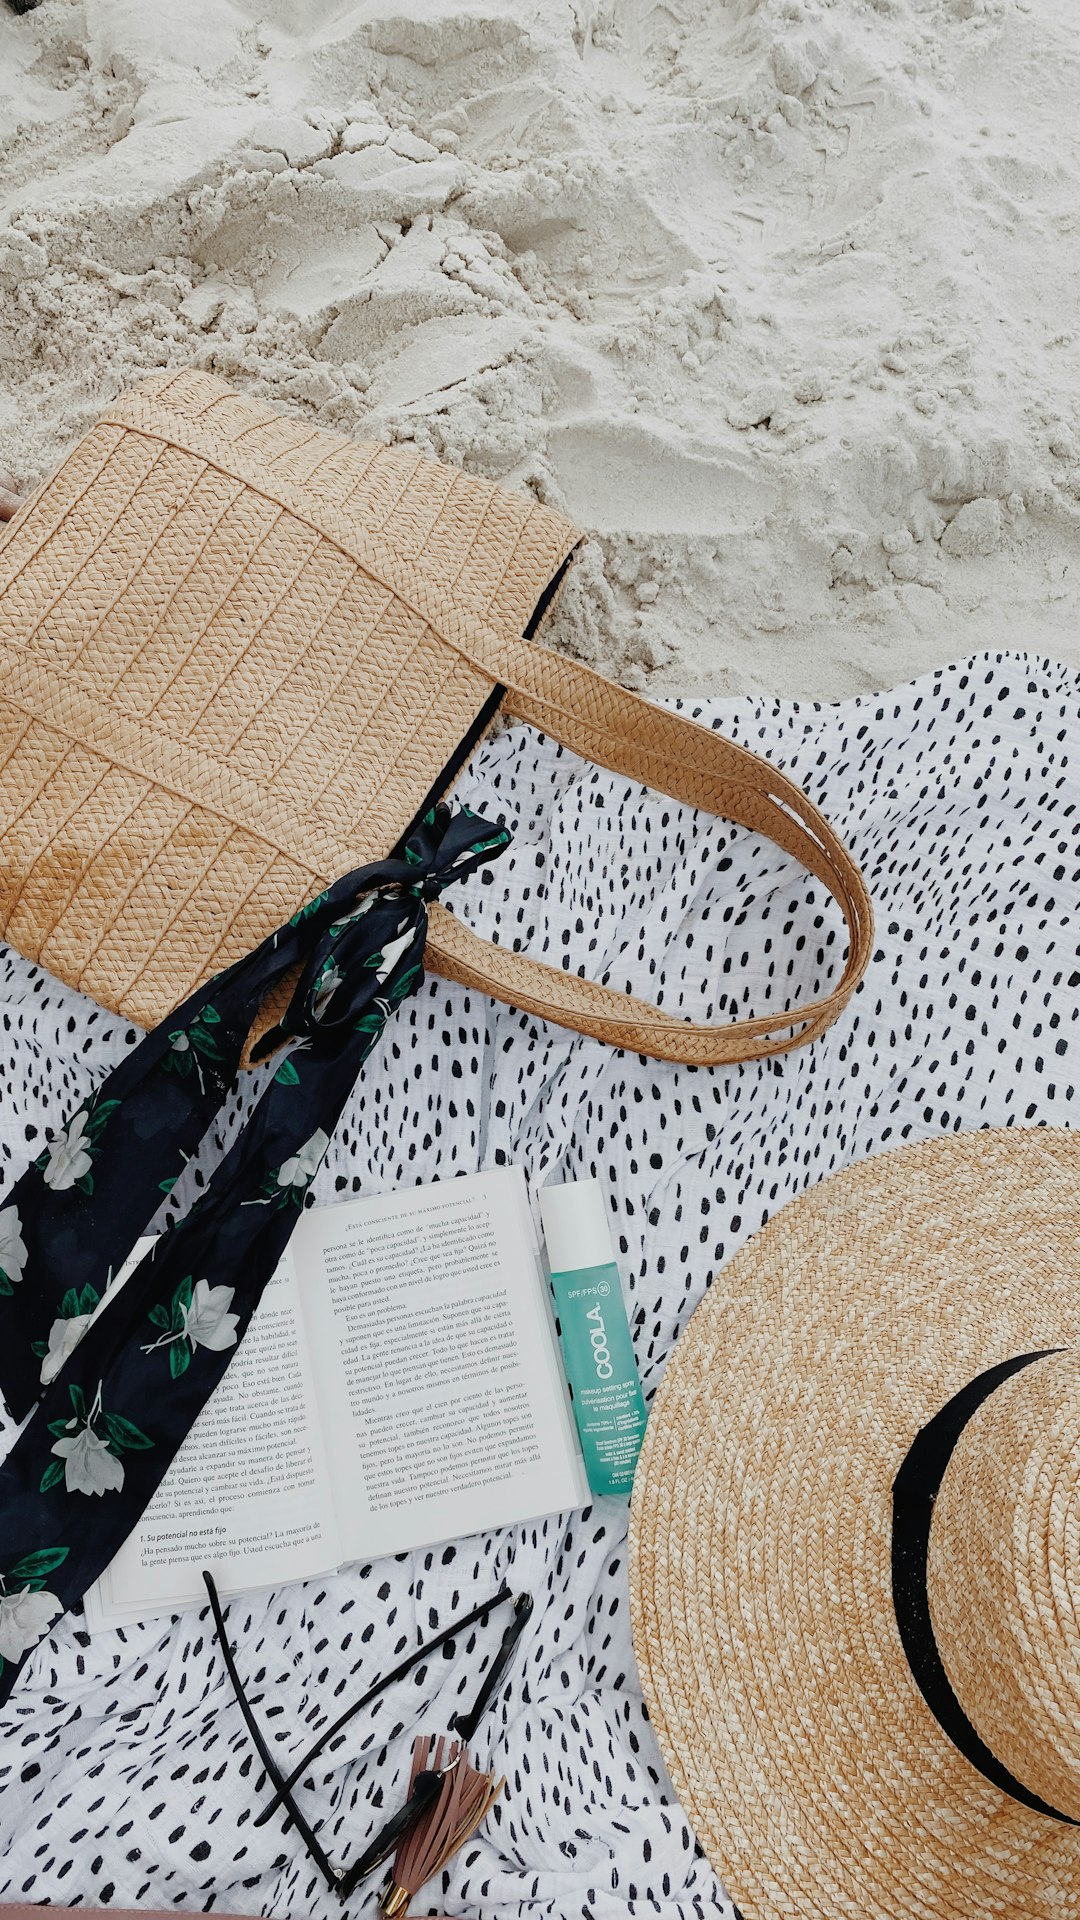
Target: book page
(440, 1387)
(247, 1495)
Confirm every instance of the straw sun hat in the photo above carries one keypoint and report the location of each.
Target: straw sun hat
(855, 1569)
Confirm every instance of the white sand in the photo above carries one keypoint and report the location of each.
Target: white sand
(779, 297)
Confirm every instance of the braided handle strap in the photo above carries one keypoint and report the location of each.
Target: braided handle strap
(603, 723)
(661, 749)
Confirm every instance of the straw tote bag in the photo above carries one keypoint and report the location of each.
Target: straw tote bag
(239, 655)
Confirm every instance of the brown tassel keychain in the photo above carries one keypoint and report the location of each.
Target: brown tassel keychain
(461, 1805)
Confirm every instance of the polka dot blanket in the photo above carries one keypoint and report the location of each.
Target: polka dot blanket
(126, 1775)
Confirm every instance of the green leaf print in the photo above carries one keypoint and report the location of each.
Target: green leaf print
(181, 1301)
(403, 986)
(53, 1473)
(179, 1358)
(34, 1568)
(75, 1304)
(159, 1317)
(125, 1434)
(201, 1038)
(286, 1075)
(189, 1045)
(97, 1116)
(312, 907)
(78, 1401)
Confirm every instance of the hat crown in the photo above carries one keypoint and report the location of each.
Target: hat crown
(1003, 1576)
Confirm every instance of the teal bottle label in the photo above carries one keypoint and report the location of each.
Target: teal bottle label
(600, 1366)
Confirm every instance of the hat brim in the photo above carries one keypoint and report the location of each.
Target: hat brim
(816, 1777)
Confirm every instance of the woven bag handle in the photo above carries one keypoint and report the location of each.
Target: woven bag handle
(604, 723)
(615, 728)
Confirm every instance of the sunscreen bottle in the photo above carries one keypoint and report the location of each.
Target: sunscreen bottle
(597, 1349)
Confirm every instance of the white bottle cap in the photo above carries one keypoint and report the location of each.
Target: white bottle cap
(576, 1227)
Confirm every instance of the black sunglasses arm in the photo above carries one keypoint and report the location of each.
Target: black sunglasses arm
(273, 1771)
(425, 1791)
(465, 1725)
(387, 1680)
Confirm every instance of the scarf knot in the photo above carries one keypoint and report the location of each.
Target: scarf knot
(363, 961)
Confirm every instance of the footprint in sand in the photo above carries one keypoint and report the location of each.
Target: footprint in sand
(622, 479)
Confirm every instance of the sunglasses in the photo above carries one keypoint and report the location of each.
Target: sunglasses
(447, 1797)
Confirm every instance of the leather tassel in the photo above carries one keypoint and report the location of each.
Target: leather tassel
(463, 1802)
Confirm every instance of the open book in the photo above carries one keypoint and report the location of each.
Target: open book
(399, 1385)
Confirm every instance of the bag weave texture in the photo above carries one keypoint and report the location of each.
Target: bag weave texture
(215, 696)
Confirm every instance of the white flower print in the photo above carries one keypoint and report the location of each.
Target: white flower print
(208, 1322)
(64, 1337)
(392, 953)
(86, 1460)
(198, 1316)
(329, 983)
(12, 1245)
(24, 1617)
(355, 913)
(68, 1159)
(300, 1169)
(89, 1465)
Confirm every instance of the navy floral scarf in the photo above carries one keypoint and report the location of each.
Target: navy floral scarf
(120, 1388)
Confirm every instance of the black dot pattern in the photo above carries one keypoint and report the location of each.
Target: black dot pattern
(126, 1776)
